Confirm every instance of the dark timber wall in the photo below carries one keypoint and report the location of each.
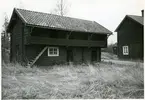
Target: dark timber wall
(17, 41)
(80, 54)
(130, 34)
(45, 60)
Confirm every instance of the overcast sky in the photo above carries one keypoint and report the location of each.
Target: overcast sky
(108, 13)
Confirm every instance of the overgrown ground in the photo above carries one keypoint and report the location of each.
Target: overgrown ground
(106, 55)
(101, 80)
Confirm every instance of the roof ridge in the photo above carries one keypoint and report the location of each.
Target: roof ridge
(136, 18)
(134, 15)
(53, 14)
(44, 19)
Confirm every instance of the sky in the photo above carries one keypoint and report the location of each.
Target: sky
(108, 13)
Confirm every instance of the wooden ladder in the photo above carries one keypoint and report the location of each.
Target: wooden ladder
(37, 57)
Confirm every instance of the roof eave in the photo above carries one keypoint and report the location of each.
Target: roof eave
(120, 24)
(8, 30)
(19, 15)
(66, 29)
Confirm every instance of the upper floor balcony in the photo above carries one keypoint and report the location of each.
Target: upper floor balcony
(64, 42)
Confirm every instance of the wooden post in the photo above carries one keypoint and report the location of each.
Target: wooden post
(90, 36)
(11, 48)
(108, 35)
(106, 40)
(68, 35)
(82, 54)
(22, 45)
(98, 54)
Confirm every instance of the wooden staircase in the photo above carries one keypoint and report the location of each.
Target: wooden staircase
(31, 63)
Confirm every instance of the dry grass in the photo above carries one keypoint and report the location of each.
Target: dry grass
(102, 80)
(106, 55)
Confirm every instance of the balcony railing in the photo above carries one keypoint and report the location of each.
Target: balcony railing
(64, 42)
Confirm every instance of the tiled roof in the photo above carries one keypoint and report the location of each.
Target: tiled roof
(139, 19)
(60, 22)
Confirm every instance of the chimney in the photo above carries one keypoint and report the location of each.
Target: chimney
(142, 13)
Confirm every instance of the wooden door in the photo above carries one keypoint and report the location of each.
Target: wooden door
(69, 55)
(94, 55)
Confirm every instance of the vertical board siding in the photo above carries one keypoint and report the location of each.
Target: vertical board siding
(45, 60)
(77, 54)
(31, 51)
(16, 37)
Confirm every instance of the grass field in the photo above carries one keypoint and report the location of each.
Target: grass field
(101, 80)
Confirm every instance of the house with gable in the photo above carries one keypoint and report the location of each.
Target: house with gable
(43, 39)
(130, 37)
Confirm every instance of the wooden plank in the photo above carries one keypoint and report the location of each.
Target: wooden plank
(66, 42)
(68, 35)
(37, 57)
(90, 36)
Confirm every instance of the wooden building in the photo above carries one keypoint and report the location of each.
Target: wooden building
(44, 39)
(130, 37)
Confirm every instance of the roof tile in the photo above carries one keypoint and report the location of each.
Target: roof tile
(61, 22)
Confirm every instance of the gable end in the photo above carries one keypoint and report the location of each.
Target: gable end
(130, 18)
(15, 16)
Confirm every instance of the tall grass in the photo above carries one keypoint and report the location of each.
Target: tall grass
(100, 80)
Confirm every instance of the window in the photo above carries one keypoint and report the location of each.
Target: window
(125, 50)
(53, 51)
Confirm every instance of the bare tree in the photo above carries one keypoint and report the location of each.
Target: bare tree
(4, 34)
(61, 8)
(5, 39)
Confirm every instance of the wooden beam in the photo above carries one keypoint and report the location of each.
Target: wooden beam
(22, 40)
(82, 54)
(37, 57)
(31, 29)
(68, 35)
(108, 35)
(90, 36)
(66, 42)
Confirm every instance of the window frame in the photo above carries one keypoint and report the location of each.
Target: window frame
(125, 50)
(53, 51)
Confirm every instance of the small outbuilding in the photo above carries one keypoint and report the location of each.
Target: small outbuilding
(45, 39)
(130, 37)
